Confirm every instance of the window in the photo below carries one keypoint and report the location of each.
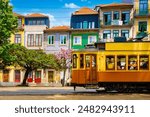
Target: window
(91, 39)
(17, 38)
(78, 25)
(17, 75)
(19, 22)
(144, 62)
(87, 61)
(63, 39)
(5, 75)
(116, 15)
(81, 61)
(38, 41)
(93, 24)
(30, 22)
(115, 33)
(107, 18)
(125, 33)
(85, 25)
(143, 7)
(30, 40)
(110, 62)
(125, 17)
(107, 34)
(77, 40)
(121, 62)
(143, 26)
(51, 39)
(34, 22)
(74, 61)
(132, 63)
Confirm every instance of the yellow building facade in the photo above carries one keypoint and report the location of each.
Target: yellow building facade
(141, 17)
(14, 75)
(18, 37)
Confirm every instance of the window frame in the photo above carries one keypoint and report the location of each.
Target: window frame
(29, 42)
(129, 64)
(95, 39)
(80, 37)
(39, 40)
(52, 41)
(106, 63)
(125, 36)
(144, 55)
(140, 27)
(17, 40)
(63, 40)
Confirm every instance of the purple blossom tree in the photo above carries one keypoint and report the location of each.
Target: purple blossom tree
(64, 58)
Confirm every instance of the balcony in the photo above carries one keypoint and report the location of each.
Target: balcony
(117, 23)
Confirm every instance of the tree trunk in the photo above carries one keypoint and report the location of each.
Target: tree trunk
(64, 74)
(25, 77)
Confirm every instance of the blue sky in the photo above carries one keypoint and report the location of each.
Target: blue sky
(59, 11)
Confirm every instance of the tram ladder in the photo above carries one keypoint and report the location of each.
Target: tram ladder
(91, 86)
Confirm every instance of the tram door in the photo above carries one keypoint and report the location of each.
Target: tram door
(90, 62)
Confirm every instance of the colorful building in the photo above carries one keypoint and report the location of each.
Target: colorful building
(35, 24)
(84, 28)
(13, 75)
(55, 39)
(18, 37)
(116, 20)
(141, 18)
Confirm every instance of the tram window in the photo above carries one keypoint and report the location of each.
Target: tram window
(121, 62)
(81, 61)
(110, 62)
(132, 63)
(144, 62)
(87, 60)
(93, 61)
(74, 61)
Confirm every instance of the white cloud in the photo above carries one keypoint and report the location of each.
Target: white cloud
(71, 5)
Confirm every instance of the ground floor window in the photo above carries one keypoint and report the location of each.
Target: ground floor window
(37, 76)
(30, 77)
(50, 76)
(17, 75)
(5, 75)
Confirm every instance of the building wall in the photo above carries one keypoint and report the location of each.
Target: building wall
(20, 31)
(57, 46)
(84, 38)
(139, 18)
(34, 30)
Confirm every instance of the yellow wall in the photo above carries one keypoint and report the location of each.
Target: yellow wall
(138, 19)
(20, 31)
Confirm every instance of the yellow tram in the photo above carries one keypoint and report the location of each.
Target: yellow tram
(120, 66)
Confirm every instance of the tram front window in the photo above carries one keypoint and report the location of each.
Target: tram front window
(110, 62)
(132, 63)
(121, 62)
(144, 62)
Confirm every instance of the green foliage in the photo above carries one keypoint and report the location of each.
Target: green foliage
(8, 22)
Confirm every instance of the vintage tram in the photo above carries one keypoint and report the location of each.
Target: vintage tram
(121, 66)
